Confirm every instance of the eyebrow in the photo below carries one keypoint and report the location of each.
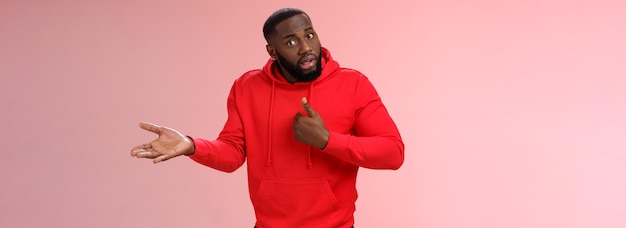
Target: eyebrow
(293, 34)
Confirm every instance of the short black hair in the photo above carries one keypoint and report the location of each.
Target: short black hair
(269, 28)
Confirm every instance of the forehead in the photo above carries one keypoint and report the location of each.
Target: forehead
(292, 25)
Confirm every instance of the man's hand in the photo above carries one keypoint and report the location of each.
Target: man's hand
(310, 129)
(169, 144)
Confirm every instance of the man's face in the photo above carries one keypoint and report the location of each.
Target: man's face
(297, 49)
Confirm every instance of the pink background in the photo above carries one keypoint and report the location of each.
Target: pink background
(513, 114)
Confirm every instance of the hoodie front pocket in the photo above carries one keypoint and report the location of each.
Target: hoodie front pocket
(286, 200)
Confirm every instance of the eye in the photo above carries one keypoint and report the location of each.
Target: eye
(310, 36)
(291, 42)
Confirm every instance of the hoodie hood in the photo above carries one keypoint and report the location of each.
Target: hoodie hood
(272, 72)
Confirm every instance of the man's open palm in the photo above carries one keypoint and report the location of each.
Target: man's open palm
(169, 144)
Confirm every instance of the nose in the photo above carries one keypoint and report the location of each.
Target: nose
(305, 47)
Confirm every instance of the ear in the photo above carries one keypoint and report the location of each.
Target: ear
(271, 51)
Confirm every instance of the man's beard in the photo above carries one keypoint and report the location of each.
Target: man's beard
(297, 72)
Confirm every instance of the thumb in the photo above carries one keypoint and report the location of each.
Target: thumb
(151, 127)
(307, 108)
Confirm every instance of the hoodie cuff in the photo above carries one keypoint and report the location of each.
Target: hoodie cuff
(336, 143)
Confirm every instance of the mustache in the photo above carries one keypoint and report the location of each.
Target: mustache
(307, 55)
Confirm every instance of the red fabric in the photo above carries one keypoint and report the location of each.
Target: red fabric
(292, 184)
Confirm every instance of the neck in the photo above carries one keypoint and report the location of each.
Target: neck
(291, 79)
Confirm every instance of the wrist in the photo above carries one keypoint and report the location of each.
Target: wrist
(192, 146)
(325, 138)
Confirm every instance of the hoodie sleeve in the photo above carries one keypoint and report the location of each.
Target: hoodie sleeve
(227, 152)
(377, 143)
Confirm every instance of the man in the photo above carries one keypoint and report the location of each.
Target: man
(305, 126)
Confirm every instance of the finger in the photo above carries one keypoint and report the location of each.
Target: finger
(151, 127)
(162, 158)
(307, 107)
(147, 154)
(297, 117)
(140, 148)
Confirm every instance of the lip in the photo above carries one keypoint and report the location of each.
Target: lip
(308, 62)
(308, 57)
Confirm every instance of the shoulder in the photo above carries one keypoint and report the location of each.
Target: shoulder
(349, 74)
(250, 76)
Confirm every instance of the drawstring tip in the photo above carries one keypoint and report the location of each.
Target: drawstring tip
(309, 161)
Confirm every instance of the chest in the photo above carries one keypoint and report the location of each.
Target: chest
(278, 106)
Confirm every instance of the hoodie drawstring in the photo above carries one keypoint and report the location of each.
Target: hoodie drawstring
(269, 135)
(271, 68)
(309, 160)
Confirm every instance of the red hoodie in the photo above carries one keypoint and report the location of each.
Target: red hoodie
(293, 184)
